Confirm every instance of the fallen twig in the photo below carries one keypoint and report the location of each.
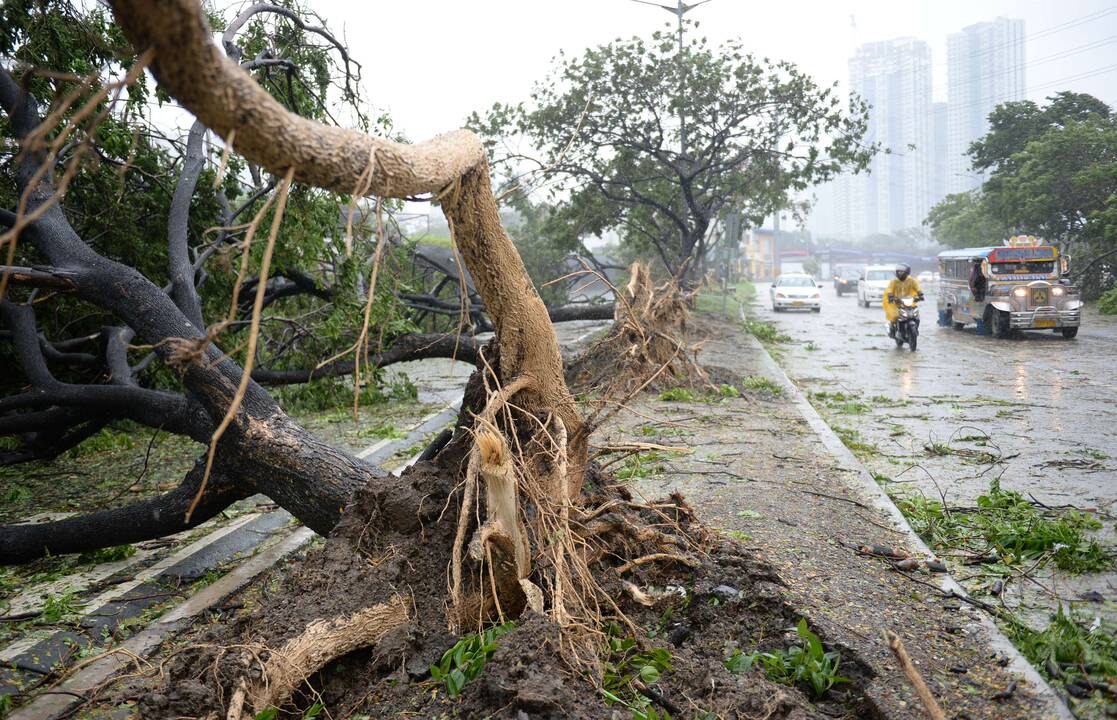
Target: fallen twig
(921, 689)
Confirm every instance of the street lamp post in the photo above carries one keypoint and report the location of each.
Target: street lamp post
(679, 9)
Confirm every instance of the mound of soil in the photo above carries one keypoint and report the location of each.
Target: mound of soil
(396, 538)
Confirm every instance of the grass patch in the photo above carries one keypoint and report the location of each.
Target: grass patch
(678, 394)
(383, 431)
(105, 555)
(641, 465)
(333, 394)
(464, 662)
(435, 241)
(106, 440)
(1005, 523)
(728, 391)
(766, 332)
(1078, 653)
(807, 664)
(850, 404)
(757, 383)
(59, 607)
(852, 440)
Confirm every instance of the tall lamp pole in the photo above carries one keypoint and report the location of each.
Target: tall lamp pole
(679, 9)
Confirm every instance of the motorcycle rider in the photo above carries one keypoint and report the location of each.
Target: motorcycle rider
(901, 286)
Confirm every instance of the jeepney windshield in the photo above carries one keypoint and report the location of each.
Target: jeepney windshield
(1029, 267)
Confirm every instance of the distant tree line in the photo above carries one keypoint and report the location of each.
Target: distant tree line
(1051, 171)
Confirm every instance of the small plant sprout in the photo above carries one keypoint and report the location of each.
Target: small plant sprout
(808, 664)
(464, 662)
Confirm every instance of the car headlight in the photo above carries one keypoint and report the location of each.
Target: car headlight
(816, 295)
(1020, 292)
(1058, 291)
(780, 296)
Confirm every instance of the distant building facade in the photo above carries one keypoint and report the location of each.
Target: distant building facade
(984, 68)
(897, 190)
(939, 153)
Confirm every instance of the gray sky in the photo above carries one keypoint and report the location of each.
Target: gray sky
(430, 63)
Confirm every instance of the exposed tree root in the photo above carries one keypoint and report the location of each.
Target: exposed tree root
(646, 346)
(357, 623)
(323, 640)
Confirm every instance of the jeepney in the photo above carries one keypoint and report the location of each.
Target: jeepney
(1005, 289)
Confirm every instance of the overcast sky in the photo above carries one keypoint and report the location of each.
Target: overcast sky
(431, 63)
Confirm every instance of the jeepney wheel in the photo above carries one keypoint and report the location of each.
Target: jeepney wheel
(1069, 332)
(997, 322)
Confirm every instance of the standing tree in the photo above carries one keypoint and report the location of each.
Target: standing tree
(609, 127)
(1052, 172)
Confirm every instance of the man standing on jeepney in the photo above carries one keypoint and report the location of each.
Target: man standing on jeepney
(901, 286)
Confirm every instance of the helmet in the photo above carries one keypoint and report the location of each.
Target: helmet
(902, 271)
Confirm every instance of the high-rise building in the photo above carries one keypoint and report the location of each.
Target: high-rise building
(939, 168)
(984, 68)
(894, 78)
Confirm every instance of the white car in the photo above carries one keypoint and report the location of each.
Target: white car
(874, 281)
(795, 290)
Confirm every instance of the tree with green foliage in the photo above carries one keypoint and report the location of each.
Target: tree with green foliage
(962, 220)
(127, 264)
(1052, 172)
(606, 131)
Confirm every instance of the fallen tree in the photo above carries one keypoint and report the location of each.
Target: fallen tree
(507, 520)
(77, 384)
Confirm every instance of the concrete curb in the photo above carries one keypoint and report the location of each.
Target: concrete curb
(862, 481)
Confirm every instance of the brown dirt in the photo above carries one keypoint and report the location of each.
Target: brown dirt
(396, 538)
(393, 541)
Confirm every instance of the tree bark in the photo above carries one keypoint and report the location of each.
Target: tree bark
(582, 311)
(156, 517)
(453, 166)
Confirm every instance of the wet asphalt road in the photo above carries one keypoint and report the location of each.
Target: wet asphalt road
(1047, 404)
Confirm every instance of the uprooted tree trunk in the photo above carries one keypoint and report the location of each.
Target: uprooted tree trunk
(644, 348)
(518, 534)
(528, 438)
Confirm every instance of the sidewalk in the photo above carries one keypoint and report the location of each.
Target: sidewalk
(765, 474)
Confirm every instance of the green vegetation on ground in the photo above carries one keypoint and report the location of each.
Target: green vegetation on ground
(629, 670)
(766, 332)
(1011, 527)
(807, 664)
(464, 662)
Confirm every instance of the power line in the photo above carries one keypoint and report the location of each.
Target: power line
(1041, 33)
(1032, 88)
(1041, 61)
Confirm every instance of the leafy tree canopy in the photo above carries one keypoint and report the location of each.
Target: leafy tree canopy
(657, 144)
(120, 198)
(1052, 172)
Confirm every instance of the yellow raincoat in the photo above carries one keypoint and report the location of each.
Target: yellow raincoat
(897, 288)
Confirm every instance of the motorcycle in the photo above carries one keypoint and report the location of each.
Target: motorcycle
(907, 321)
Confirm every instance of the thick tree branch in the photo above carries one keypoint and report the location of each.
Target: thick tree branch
(403, 349)
(43, 277)
(181, 268)
(156, 517)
